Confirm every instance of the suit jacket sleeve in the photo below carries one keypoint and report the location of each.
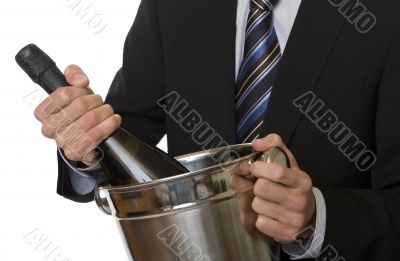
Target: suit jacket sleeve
(365, 224)
(135, 89)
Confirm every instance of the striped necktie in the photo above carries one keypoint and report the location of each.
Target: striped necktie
(255, 78)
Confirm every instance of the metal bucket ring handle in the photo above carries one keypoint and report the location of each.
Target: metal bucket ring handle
(272, 155)
(101, 201)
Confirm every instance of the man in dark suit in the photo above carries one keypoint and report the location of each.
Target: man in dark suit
(329, 91)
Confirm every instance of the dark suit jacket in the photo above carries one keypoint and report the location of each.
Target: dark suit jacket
(189, 46)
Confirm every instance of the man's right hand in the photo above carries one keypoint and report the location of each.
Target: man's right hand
(76, 118)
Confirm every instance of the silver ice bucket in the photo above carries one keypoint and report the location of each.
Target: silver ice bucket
(203, 215)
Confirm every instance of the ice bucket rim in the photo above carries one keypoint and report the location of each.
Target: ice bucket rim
(208, 183)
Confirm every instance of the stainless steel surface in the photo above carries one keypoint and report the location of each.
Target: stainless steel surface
(202, 215)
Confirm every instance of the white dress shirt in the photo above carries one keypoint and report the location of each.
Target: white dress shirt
(284, 15)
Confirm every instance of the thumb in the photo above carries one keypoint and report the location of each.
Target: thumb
(76, 77)
(274, 140)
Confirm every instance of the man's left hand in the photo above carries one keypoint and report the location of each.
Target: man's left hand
(284, 199)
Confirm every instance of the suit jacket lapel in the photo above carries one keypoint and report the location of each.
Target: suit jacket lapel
(313, 36)
(215, 34)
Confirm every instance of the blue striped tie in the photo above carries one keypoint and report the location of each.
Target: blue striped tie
(255, 78)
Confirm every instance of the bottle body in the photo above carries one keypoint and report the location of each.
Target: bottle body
(128, 160)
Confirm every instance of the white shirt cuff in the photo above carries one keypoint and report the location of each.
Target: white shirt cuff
(311, 248)
(82, 183)
(80, 171)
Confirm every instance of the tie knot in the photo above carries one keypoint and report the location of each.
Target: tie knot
(265, 5)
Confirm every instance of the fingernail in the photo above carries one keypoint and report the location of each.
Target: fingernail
(244, 167)
(79, 78)
(117, 117)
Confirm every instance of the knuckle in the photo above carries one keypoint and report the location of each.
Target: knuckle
(52, 121)
(115, 123)
(84, 145)
(80, 104)
(95, 136)
(307, 182)
(285, 238)
(256, 165)
(109, 108)
(280, 172)
(70, 154)
(255, 204)
(98, 99)
(79, 155)
(38, 113)
(60, 140)
(92, 117)
(47, 131)
(275, 138)
(63, 94)
(258, 168)
(297, 221)
(300, 203)
(260, 223)
(289, 235)
(259, 187)
(67, 133)
(78, 149)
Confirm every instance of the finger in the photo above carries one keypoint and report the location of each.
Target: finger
(58, 100)
(273, 228)
(73, 111)
(89, 120)
(273, 192)
(274, 140)
(80, 146)
(245, 201)
(92, 157)
(104, 129)
(76, 77)
(271, 140)
(84, 142)
(248, 220)
(268, 208)
(241, 184)
(271, 210)
(276, 173)
(243, 168)
(68, 135)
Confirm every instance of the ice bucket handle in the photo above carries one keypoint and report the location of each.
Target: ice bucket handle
(273, 155)
(101, 200)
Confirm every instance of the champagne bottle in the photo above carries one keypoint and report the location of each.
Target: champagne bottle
(125, 158)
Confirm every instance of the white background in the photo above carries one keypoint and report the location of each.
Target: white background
(28, 200)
